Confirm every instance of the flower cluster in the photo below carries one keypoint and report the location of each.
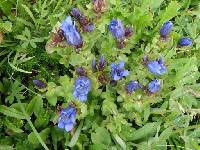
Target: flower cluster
(166, 29)
(82, 85)
(156, 67)
(116, 27)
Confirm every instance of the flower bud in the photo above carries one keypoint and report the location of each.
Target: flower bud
(185, 42)
(165, 29)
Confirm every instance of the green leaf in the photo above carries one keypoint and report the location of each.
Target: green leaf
(18, 69)
(166, 134)
(11, 112)
(21, 37)
(83, 109)
(33, 44)
(51, 95)
(42, 119)
(43, 134)
(12, 126)
(16, 92)
(170, 12)
(98, 146)
(127, 132)
(109, 107)
(75, 59)
(101, 136)
(6, 6)
(35, 105)
(19, 58)
(145, 131)
(6, 26)
(27, 33)
(6, 147)
(119, 141)
(56, 135)
(1, 87)
(154, 5)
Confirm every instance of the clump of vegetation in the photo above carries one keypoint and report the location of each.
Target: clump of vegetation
(99, 74)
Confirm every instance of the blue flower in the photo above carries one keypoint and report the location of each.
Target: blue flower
(132, 86)
(118, 71)
(166, 28)
(185, 42)
(157, 67)
(154, 86)
(71, 33)
(102, 63)
(76, 13)
(67, 118)
(94, 65)
(117, 29)
(81, 88)
(40, 84)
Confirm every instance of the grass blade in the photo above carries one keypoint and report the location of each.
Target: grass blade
(29, 13)
(76, 135)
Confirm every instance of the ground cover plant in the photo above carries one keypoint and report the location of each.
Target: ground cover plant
(100, 74)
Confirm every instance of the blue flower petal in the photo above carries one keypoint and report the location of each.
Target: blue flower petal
(94, 65)
(61, 125)
(82, 98)
(121, 64)
(68, 127)
(125, 73)
(116, 77)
